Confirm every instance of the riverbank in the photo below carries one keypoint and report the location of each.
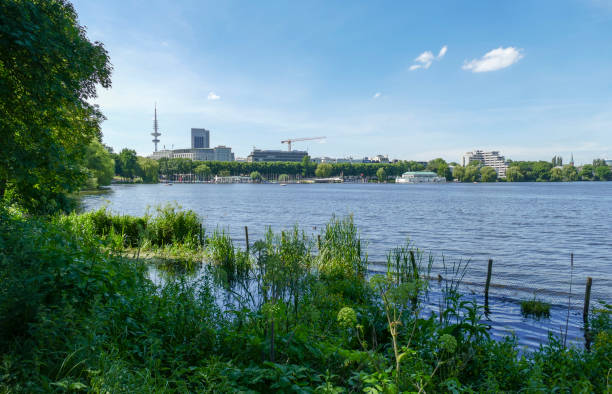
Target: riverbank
(89, 318)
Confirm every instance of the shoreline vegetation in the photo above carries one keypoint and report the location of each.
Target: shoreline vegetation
(130, 168)
(288, 313)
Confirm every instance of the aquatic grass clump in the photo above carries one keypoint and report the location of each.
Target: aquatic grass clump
(405, 264)
(160, 226)
(535, 307)
(170, 224)
(234, 263)
(340, 252)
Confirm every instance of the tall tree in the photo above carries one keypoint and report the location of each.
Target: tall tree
(324, 170)
(381, 174)
(488, 174)
(48, 74)
(129, 163)
(100, 163)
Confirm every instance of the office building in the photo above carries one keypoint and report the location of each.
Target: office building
(490, 159)
(219, 153)
(276, 155)
(200, 149)
(200, 138)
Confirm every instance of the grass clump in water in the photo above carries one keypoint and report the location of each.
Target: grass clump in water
(535, 307)
(340, 252)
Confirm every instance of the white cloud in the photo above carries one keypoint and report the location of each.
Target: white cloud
(377, 95)
(494, 60)
(213, 96)
(425, 59)
(442, 52)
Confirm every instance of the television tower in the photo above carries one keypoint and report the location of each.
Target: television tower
(155, 132)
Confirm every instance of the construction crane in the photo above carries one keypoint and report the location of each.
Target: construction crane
(289, 141)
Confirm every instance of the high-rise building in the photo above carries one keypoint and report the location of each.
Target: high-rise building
(200, 138)
(489, 159)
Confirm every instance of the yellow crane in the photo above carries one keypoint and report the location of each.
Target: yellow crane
(289, 141)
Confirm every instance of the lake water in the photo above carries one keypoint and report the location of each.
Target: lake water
(528, 229)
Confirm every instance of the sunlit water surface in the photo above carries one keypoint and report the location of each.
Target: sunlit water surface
(528, 229)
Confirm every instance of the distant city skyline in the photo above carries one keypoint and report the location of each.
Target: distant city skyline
(411, 81)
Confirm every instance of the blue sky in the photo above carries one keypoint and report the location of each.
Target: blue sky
(412, 80)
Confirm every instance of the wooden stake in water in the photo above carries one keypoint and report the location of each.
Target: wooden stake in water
(246, 235)
(569, 298)
(587, 300)
(487, 284)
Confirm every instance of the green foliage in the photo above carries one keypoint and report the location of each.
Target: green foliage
(256, 176)
(46, 119)
(324, 170)
(347, 317)
(100, 164)
(162, 225)
(488, 174)
(471, 173)
(514, 174)
(440, 167)
(147, 169)
(556, 175)
(586, 172)
(203, 171)
(128, 163)
(283, 178)
(535, 307)
(340, 253)
(381, 174)
(603, 173)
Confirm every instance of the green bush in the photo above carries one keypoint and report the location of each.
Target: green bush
(163, 225)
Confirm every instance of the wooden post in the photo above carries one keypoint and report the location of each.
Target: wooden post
(246, 234)
(488, 283)
(587, 300)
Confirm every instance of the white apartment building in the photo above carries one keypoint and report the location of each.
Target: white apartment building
(490, 159)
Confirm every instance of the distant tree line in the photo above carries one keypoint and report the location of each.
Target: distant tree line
(129, 167)
(536, 171)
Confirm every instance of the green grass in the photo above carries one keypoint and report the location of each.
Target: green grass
(78, 315)
(536, 308)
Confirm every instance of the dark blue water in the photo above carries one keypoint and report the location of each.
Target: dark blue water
(528, 229)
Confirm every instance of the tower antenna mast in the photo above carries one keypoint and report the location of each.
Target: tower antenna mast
(155, 132)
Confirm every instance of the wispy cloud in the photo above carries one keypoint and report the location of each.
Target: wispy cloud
(377, 95)
(213, 96)
(494, 60)
(442, 52)
(425, 59)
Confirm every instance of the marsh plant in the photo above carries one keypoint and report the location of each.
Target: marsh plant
(340, 250)
(535, 307)
(159, 227)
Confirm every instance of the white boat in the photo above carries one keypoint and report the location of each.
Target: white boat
(420, 177)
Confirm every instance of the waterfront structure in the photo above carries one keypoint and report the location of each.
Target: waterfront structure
(608, 163)
(276, 155)
(200, 138)
(420, 177)
(491, 159)
(232, 179)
